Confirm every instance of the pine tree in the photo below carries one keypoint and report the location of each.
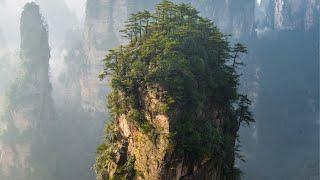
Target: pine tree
(191, 66)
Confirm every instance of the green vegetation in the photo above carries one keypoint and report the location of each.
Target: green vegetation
(125, 171)
(192, 67)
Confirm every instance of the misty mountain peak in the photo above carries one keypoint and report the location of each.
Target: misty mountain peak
(34, 34)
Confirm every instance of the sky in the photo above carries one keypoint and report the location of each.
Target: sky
(9, 20)
(77, 6)
(10, 12)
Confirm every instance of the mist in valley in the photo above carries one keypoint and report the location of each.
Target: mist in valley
(53, 105)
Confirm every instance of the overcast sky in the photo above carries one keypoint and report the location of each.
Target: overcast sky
(10, 12)
(77, 6)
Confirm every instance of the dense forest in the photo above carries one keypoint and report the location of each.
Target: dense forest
(180, 67)
(176, 90)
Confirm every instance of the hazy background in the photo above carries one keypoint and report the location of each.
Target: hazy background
(281, 77)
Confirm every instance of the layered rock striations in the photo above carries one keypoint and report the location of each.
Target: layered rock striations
(29, 115)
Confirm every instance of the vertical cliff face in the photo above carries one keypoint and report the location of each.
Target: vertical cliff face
(269, 23)
(5, 67)
(78, 128)
(232, 17)
(2, 40)
(286, 49)
(99, 23)
(172, 117)
(74, 58)
(140, 154)
(104, 20)
(29, 117)
(99, 37)
(60, 18)
(289, 14)
(288, 103)
(4, 70)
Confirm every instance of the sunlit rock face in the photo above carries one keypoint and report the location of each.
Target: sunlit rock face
(156, 155)
(29, 116)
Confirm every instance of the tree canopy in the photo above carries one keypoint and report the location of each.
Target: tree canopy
(193, 67)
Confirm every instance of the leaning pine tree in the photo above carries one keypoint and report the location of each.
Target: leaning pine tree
(175, 106)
